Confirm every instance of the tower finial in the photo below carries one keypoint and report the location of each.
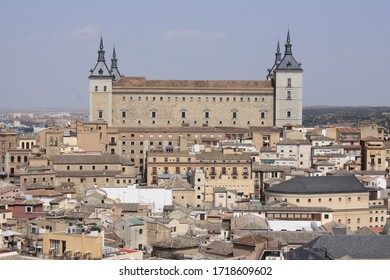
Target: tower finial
(114, 66)
(288, 36)
(101, 50)
(101, 42)
(114, 53)
(278, 55)
(288, 44)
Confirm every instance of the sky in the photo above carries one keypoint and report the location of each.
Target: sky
(48, 47)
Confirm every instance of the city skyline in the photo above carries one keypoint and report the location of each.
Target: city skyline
(47, 54)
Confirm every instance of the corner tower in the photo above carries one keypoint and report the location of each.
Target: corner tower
(100, 90)
(288, 80)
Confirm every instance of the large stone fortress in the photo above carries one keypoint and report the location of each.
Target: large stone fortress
(137, 102)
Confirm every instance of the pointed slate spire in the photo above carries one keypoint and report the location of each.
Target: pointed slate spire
(288, 44)
(101, 68)
(278, 55)
(288, 62)
(101, 51)
(278, 59)
(114, 66)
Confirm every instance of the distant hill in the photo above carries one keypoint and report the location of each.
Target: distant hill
(346, 116)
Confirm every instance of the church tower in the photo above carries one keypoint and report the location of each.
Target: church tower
(287, 76)
(100, 89)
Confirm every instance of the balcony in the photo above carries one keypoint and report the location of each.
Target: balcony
(213, 173)
(112, 143)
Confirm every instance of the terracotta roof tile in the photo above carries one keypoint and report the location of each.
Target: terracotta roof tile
(226, 84)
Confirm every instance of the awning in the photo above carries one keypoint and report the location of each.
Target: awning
(8, 233)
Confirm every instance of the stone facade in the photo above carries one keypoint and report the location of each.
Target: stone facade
(140, 102)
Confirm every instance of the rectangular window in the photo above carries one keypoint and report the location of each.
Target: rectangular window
(183, 114)
(288, 94)
(153, 114)
(123, 114)
(289, 82)
(100, 114)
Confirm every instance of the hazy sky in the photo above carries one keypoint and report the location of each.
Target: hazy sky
(48, 47)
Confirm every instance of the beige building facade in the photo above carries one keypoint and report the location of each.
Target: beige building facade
(348, 198)
(140, 102)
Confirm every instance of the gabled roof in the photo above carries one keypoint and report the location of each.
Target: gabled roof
(371, 138)
(251, 240)
(128, 207)
(249, 222)
(101, 69)
(180, 242)
(289, 63)
(176, 182)
(319, 185)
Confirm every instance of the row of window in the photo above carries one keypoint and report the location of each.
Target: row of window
(19, 159)
(124, 181)
(104, 88)
(93, 167)
(330, 199)
(199, 98)
(206, 115)
(184, 122)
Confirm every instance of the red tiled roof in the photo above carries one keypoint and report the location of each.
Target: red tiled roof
(348, 130)
(371, 138)
(43, 193)
(142, 82)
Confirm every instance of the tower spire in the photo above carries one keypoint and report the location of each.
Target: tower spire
(288, 44)
(101, 68)
(278, 55)
(101, 51)
(114, 66)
